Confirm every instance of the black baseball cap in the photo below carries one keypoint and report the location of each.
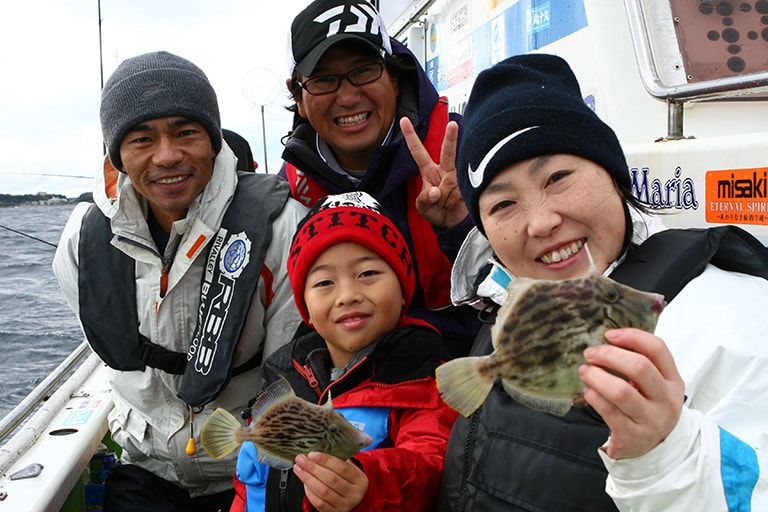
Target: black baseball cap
(324, 23)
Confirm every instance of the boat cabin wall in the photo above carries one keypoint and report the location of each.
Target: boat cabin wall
(636, 63)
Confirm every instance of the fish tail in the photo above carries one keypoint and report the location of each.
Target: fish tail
(218, 436)
(462, 387)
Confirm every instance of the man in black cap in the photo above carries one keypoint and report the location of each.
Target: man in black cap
(357, 91)
(177, 274)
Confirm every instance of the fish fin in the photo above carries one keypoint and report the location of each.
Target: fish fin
(276, 392)
(218, 435)
(273, 460)
(462, 387)
(329, 403)
(554, 406)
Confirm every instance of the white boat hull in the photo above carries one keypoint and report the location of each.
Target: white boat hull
(62, 436)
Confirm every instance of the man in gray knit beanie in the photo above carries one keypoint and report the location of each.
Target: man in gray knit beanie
(176, 272)
(155, 85)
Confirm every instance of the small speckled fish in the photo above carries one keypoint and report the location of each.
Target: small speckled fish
(539, 337)
(283, 426)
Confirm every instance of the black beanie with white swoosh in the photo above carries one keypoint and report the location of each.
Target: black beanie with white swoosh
(524, 107)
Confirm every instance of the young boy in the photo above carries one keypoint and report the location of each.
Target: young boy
(353, 278)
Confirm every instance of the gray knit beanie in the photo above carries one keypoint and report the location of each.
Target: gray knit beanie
(524, 107)
(154, 85)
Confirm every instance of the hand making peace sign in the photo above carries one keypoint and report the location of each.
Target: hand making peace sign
(439, 201)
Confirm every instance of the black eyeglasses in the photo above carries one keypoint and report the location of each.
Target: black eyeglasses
(326, 84)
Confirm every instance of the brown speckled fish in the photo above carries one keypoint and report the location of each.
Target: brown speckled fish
(539, 337)
(283, 426)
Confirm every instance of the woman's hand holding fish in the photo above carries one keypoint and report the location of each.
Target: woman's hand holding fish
(642, 410)
(330, 483)
(440, 201)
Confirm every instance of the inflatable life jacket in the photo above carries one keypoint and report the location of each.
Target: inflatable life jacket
(234, 261)
(432, 265)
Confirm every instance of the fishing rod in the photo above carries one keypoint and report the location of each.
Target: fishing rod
(28, 235)
(101, 73)
(4, 173)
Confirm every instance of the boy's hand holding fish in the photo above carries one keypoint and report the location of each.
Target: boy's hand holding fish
(642, 410)
(330, 483)
(282, 427)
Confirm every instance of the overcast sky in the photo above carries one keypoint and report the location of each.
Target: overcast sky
(50, 78)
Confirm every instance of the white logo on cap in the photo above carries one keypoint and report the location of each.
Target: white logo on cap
(357, 199)
(476, 176)
(368, 22)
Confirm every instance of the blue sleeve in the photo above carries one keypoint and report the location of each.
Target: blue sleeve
(740, 471)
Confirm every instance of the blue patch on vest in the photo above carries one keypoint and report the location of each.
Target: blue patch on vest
(500, 277)
(373, 421)
(739, 470)
(235, 256)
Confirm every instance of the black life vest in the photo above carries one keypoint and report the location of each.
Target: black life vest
(234, 260)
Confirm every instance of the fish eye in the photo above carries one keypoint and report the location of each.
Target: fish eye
(333, 428)
(611, 295)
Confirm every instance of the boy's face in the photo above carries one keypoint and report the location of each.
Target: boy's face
(353, 296)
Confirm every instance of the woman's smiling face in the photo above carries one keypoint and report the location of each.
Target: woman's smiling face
(539, 213)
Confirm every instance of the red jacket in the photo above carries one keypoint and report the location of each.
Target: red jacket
(396, 375)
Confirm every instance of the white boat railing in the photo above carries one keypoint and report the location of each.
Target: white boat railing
(42, 391)
(53, 403)
(45, 461)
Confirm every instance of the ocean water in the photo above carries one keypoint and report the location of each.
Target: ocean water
(37, 328)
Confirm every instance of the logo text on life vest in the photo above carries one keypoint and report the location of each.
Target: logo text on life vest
(229, 255)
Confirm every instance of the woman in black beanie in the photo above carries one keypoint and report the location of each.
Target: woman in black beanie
(542, 177)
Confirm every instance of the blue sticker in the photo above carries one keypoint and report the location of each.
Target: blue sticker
(77, 418)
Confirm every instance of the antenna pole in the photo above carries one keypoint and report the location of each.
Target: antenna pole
(264, 137)
(101, 57)
(101, 71)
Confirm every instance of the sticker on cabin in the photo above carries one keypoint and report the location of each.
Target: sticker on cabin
(737, 196)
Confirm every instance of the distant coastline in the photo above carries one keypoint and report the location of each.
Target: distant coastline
(41, 198)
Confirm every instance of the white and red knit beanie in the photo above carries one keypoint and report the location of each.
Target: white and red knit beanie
(351, 217)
